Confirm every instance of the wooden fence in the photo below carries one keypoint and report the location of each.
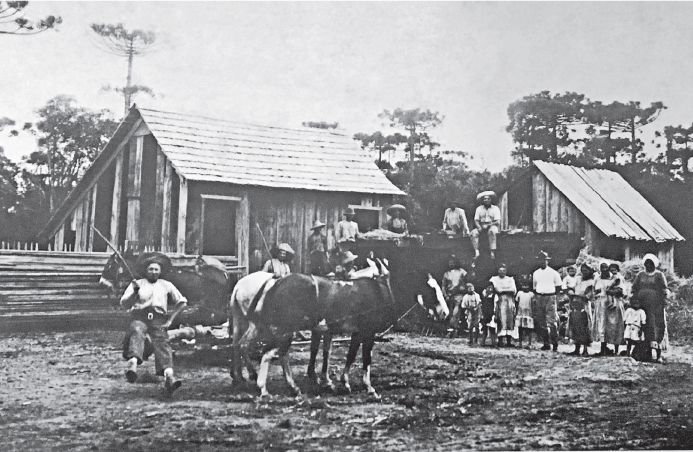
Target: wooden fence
(59, 291)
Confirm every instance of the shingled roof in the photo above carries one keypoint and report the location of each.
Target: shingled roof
(609, 202)
(205, 149)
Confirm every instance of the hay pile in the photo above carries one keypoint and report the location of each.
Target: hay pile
(384, 234)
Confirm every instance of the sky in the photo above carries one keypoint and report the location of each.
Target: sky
(288, 62)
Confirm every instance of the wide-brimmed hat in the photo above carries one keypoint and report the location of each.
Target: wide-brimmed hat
(396, 208)
(349, 211)
(317, 225)
(146, 259)
(483, 194)
(348, 257)
(543, 255)
(286, 247)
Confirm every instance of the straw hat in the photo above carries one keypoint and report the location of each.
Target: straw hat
(483, 194)
(396, 208)
(317, 225)
(286, 247)
(144, 260)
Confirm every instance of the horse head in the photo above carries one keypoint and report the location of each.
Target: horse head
(418, 285)
(114, 271)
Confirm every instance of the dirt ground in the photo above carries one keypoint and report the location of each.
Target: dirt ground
(67, 392)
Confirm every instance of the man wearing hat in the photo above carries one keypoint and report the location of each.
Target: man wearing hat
(147, 302)
(454, 219)
(487, 220)
(317, 250)
(347, 232)
(546, 283)
(396, 223)
(280, 265)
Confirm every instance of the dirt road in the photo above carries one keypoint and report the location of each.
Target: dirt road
(67, 392)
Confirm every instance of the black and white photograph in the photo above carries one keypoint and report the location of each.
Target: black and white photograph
(346, 226)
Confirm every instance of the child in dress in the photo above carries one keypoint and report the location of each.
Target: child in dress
(634, 318)
(524, 319)
(471, 303)
(579, 324)
(570, 281)
(615, 289)
(488, 309)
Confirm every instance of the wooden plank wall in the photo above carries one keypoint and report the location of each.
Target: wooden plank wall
(54, 291)
(552, 211)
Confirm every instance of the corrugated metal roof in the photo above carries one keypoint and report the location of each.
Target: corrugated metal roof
(609, 202)
(205, 149)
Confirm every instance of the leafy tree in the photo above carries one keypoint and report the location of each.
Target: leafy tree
(414, 121)
(13, 22)
(678, 150)
(69, 139)
(540, 124)
(320, 125)
(380, 143)
(119, 41)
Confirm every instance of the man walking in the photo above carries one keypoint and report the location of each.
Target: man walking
(147, 302)
(547, 283)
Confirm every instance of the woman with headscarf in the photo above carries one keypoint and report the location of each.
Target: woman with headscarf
(580, 317)
(650, 289)
(608, 326)
(505, 312)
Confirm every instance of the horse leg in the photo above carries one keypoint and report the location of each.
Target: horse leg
(314, 347)
(236, 363)
(354, 345)
(366, 356)
(248, 337)
(326, 349)
(286, 367)
(264, 369)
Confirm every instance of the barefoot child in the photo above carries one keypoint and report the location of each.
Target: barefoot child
(471, 303)
(524, 320)
(488, 309)
(634, 318)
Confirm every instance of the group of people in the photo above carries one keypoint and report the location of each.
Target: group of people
(598, 308)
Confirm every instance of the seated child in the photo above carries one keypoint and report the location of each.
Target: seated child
(524, 319)
(471, 303)
(488, 309)
(569, 281)
(635, 319)
(578, 324)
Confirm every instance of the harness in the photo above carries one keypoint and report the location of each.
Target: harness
(256, 299)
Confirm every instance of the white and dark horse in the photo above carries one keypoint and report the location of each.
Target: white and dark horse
(362, 308)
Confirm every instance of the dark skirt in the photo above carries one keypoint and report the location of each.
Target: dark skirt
(652, 303)
(579, 328)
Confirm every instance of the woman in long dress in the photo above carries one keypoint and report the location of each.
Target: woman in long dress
(580, 317)
(650, 288)
(505, 311)
(608, 326)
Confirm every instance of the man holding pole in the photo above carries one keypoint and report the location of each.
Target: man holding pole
(147, 301)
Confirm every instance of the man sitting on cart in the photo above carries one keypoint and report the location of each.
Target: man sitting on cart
(487, 220)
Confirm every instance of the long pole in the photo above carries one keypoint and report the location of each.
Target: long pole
(116, 251)
(263, 239)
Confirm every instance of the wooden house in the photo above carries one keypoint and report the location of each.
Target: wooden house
(598, 205)
(195, 185)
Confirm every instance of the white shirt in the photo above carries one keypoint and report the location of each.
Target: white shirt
(279, 268)
(455, 217)
(155, 295)
(347, 231)
(487, 217)
(545, 281)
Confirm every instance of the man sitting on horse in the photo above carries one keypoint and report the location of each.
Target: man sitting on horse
(279, 265)
(147, 301)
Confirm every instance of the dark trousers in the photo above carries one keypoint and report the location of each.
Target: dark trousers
(135, 343)
(546, 318)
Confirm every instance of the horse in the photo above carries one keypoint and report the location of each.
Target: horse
(206, 285)
(362, 308)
